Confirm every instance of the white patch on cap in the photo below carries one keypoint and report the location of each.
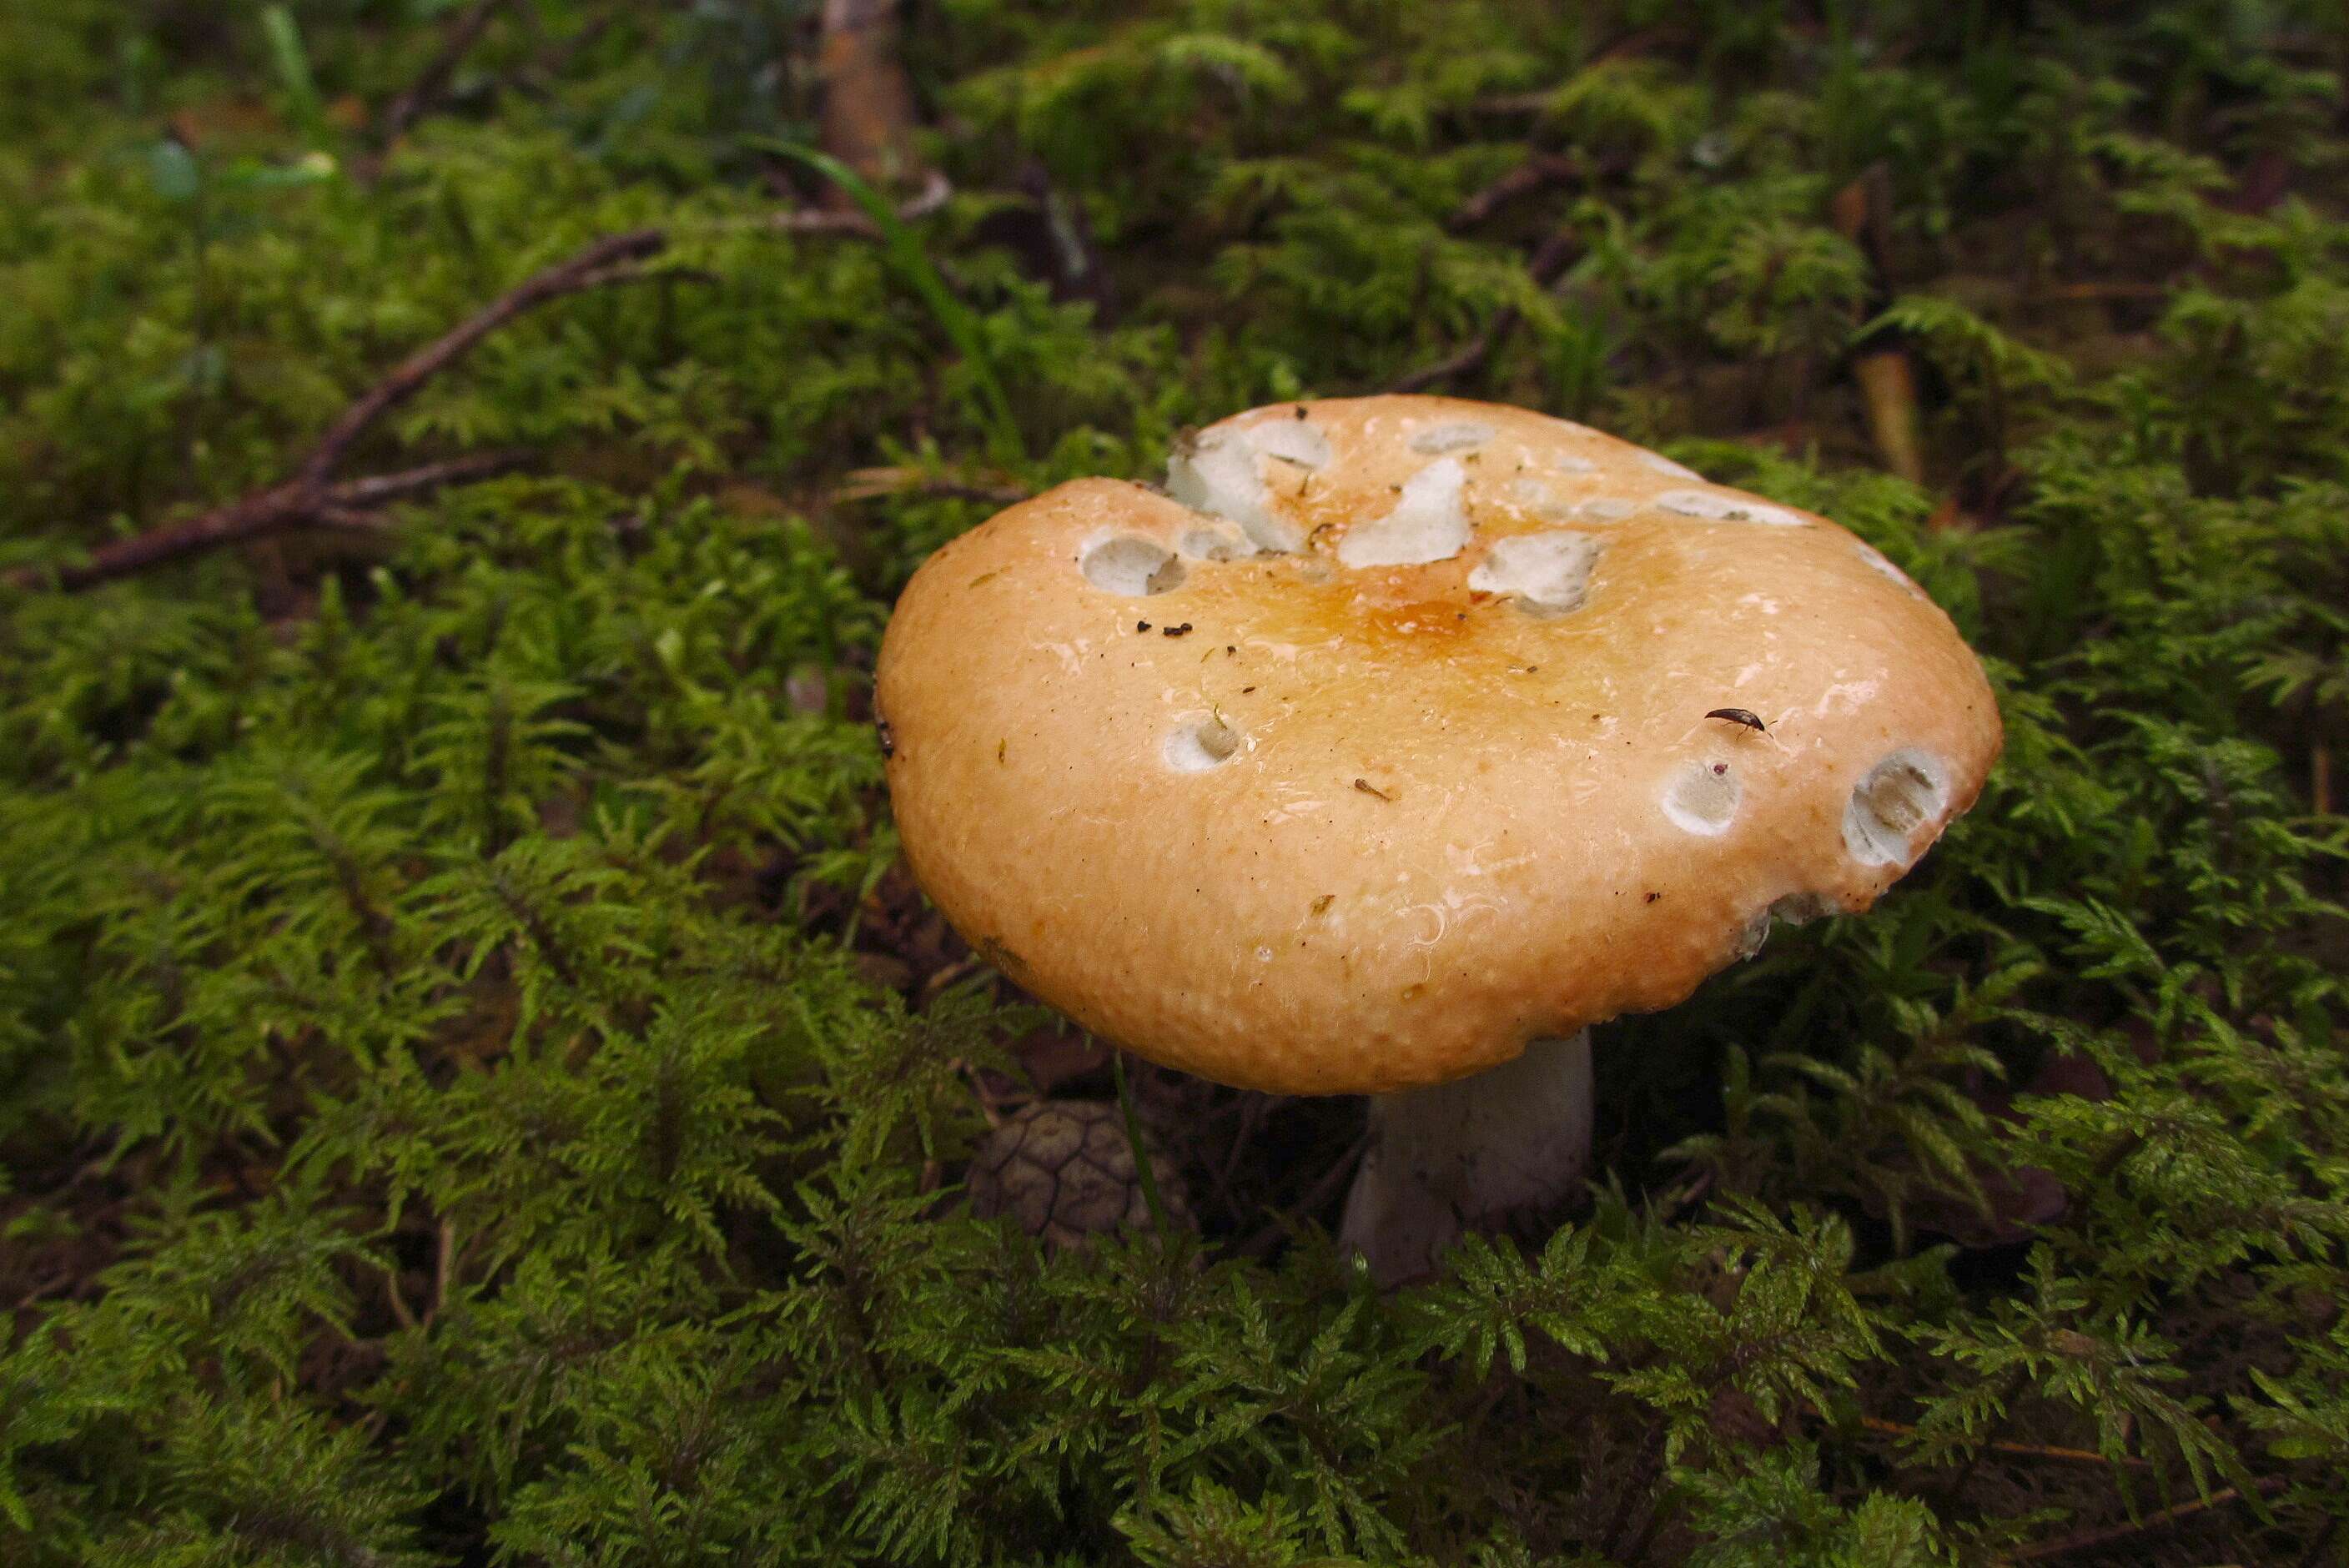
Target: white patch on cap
(1213, 544)
(1428, 523)
(1452, 436)
(1900, 794)
(1664, 465)
(1537, 498)
(1702, 798)
(1547, 572)
(1130, 564)
(1713, 505)
(1794, 909)
(1296, 442)
(1606, 508)
(1879, 562)
(1802, 908)
(1199, 744)
(1220, 474)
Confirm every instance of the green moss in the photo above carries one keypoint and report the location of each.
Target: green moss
(474, 1087)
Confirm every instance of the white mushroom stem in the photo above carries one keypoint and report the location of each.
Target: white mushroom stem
(1467, 1155)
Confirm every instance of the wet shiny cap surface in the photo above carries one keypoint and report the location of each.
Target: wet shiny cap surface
(1387, 737)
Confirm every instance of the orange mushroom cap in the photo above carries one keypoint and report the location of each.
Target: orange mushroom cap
(1386, 742)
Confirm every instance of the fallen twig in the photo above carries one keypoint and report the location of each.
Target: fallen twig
(1545, 265)
(934, 193)
(1683, 1197)
(312, 497)
(443, 1259)
(1647, 1469)
(613, 259)
(424, 93)
(537, 79)
(2022, 1450)
(1538, 172)
(1285, 1223)
(2096, 292)
(2091, 1539)
(1254, 1110)
(911, 261)
(401, 1311)
(45, 1287)
(870, 484)
(360, 495)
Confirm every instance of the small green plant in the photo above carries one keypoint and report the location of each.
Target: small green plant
(477, 1086)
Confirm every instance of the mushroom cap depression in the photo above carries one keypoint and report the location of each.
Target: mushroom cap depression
(1381, 746)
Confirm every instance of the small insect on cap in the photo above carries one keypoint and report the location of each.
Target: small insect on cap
(1401, 730)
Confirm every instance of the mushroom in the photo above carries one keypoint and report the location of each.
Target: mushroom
(1396, 743)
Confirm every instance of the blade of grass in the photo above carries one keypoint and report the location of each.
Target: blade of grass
(1141, 1164)
(911, 260)
(292, 62)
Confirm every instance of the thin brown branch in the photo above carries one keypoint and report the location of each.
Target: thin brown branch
(870, 484)
(1547, 264)
(1647, 1469)
(819, 221)
(1324, 1188)
(311, 498)
(2161, 1518)
(2073, 294)
(1470, 355)
(425, 93)
(347, 519)
(383, 489)
(2022, 1450)
(536, 80)
(590, 268)
(1537, 172)
(1683, 1197)
(444, 1260)
(399, 1308)
(45, 1287)
(935, 192)
(1254, 1110)
(255, 516)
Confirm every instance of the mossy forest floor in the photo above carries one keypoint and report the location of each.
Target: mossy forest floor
(476, 1086)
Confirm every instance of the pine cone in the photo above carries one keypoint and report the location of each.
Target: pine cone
(1063, 1168)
